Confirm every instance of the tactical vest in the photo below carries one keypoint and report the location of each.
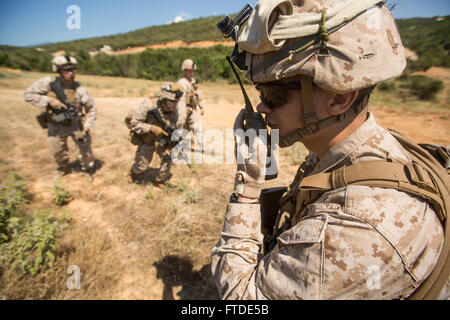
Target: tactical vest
(192, 97)
(169, 120)
(70, 95)
(168, 117)
(426, 177)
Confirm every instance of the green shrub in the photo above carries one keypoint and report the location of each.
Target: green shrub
(11, 196)
(30, 250)
(26, 240)
(425, 88)
(25, 58)
(61, 195)
(9, 75)
(428, 37)
(192, 196)
(180, 187)
(158, 65)
(149, 193)
(387, 86)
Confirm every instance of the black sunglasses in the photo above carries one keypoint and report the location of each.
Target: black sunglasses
(274, 94)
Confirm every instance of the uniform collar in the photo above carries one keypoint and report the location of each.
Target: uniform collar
(340, 151)
(192, 80)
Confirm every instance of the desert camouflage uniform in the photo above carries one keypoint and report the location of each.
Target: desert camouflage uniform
(153, 139)
(356, 242)
(193, 121)
(38, 93)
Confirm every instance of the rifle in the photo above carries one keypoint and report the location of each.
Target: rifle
(71, 112)
(169, 129)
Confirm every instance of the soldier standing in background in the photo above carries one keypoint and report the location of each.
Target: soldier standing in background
(151, 126)
(69, 111)
(193, 101)
(315, 64)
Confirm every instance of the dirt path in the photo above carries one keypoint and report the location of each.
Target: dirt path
(172, 44)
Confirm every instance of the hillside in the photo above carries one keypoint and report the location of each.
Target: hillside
(155, 53)
(202, 29)
(428, 38)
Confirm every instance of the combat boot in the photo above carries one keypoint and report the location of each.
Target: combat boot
(134, 177)
(90, 170)
(62, 171)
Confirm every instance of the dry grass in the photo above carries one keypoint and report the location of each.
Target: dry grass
(137, 241)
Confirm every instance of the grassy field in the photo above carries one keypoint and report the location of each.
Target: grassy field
(140, 241)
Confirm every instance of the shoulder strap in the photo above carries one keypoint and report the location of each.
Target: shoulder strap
(424, 177)
(155, 112)
(58, 89)
(129, 117)
(432, 286)
(411, 178)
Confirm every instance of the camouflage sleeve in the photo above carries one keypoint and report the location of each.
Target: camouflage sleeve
(336, 252)
(36, 93)
(89, 105)
(200, 99)
(139, 122)
(235, 258)
(181, 112)
(184, 83)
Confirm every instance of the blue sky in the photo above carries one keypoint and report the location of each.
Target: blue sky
(32, 22)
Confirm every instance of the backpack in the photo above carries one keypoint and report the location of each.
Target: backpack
(135, 139)
(426, 177)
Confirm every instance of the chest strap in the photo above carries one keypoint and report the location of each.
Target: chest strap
(411, 178)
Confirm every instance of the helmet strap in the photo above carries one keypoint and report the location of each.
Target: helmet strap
(309, 116)
(312, 124)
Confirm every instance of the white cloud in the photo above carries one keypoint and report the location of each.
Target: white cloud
(178, 19)
(181, 17)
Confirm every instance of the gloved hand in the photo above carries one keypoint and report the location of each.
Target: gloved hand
(159, 132)
(56, 105)
(145, 128)
(251, 168)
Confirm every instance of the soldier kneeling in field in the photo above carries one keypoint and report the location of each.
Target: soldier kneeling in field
(69, 111)
(151, 126)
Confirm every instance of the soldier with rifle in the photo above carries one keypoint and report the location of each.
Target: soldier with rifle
(194, 103)
(69, 111)
(151, 128)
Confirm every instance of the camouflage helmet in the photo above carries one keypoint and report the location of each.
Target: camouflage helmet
(63, 62)
(170, 91)
(339, 45)
(344, 45)
(188, 64)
